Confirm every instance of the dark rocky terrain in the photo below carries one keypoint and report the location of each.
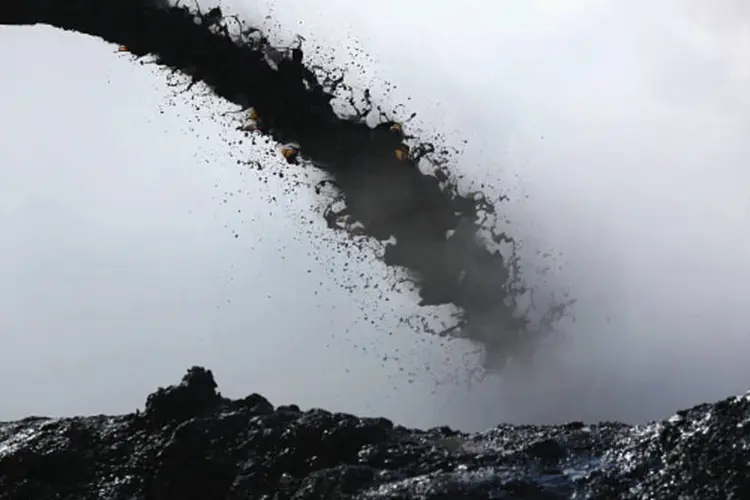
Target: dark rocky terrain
(191, 443)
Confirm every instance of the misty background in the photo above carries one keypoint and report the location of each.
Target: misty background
(619, 131)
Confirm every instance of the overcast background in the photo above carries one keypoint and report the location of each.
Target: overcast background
(618, 129)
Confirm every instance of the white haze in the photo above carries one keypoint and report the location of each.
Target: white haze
(119, 266)
(625, 124)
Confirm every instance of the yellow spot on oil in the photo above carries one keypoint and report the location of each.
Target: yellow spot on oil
(396, 128)
(289, 151)
(402, 153)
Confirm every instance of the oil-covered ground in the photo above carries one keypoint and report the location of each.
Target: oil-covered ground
(384, 185)
(191, 443)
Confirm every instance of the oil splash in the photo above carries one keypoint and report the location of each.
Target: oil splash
(390, 187)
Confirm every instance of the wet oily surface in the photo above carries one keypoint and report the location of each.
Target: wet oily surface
(192, 443)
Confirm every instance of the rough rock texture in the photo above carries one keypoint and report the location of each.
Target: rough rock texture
(191, 443)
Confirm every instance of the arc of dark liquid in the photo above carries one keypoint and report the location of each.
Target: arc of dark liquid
(381, 184)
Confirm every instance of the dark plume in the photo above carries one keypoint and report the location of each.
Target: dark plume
(391, 190)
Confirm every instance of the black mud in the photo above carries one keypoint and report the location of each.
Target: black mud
(412, 199)
(191, 443)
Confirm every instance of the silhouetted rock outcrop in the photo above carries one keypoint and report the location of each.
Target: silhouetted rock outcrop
(192, 444)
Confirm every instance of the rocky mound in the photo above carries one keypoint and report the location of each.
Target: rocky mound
(190, 443)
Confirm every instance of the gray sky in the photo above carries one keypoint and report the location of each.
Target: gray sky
(625, 125)
(119, 273)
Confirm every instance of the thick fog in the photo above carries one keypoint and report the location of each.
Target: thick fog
(617, 129)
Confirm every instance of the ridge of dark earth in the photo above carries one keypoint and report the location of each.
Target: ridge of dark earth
(191, 443)
(390, 190)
